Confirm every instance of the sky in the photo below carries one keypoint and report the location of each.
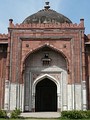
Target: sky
(18, 10)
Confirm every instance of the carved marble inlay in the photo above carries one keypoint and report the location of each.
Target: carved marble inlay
(57, 76)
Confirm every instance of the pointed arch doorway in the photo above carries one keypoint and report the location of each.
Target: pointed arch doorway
(46, 96)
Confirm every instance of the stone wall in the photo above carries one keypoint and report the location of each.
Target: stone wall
(66, 44)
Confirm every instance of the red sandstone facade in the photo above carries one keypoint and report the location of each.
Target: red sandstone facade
(24, 40)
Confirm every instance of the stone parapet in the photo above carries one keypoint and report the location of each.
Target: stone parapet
(50, 26)
(3, 36)
(3, 39)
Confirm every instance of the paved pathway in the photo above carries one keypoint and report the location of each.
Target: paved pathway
(41, 114)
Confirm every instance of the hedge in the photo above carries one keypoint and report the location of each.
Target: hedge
(15, 113)
(75, 114)
(3, 114)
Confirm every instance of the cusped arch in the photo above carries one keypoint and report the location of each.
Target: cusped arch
(43, 77)
(51, 47)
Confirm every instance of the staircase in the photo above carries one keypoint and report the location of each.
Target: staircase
(41, 114)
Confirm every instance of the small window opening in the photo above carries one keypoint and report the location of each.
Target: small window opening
(46, 60)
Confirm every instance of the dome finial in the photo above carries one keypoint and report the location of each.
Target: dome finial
(47, 5)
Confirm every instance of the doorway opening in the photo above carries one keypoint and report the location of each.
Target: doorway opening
(46, 96)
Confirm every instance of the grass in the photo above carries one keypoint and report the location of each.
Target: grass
(44, 119)
(32, 119)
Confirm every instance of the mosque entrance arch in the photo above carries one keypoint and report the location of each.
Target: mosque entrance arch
(46, 96)
(45, 71)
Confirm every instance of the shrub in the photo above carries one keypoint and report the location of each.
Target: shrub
(75, 114)
(88, 113)
(3, 114)
(15, 113)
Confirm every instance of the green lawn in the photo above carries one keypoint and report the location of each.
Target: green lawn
(55, 119)
(44, 119)
(32, 119)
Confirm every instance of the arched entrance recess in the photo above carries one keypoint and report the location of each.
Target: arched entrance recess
(46, 90)
(46, 96)
(36, 71)
(50, 47)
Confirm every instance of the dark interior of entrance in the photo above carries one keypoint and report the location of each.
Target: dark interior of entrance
(46, 96)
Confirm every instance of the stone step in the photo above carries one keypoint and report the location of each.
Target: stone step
(41, 114)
